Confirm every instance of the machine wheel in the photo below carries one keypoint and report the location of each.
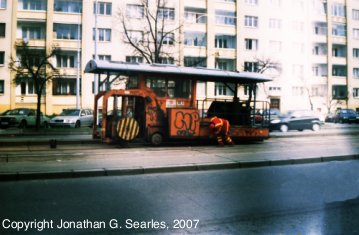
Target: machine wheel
(156, 139)
(283, 128)
(78, 124)
(315, 127)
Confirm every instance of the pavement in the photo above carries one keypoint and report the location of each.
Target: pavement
(28, 155)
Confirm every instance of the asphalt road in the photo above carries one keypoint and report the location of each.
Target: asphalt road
(317, 198)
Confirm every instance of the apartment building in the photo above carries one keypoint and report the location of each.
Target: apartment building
(313, 46)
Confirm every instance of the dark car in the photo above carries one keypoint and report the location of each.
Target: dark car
(346, 115)
(296, 120)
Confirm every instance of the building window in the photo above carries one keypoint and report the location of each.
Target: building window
(225, 17)
(338, 10)
(165, 13)
(356, 52)
(28, 88)
(104, 57)
(32, 32)
(297, 91)
(64, 86)
(33, 5)
(355, 92)
(195, 38)
(356, 33)
(134, 59)
(320, 49)
(275, 46)
(65, 61)
(319, 90)
(251, 21)
(339, 30)
(135, 11)
(339, 92)
(339, 70)
(195, 61)
(226, 64)
(251, 66)
(298, 26)
(229, 0)
(251, 44)
(276, 3)
(167, 60)
(251, 2)
(2, 4)
(356, 72)
(104, 8)
(135, 36)
(103, 35)
(320, 70)
(68, 6)
(67, 31)
(2, 58)
(2, 87)
(339, 50)
(355, 14)
(2, 30)
(225, 41)
(275, 24)
(275, 88)
(195, 15)
(320, 28)
(220, 89)
(166, 39)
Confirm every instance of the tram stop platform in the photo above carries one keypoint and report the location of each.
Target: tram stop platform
(23, 158)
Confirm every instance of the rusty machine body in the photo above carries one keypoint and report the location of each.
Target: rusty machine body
(159, 103)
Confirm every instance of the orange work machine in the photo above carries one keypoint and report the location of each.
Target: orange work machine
(156, 102)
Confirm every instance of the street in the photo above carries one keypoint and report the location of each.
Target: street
(302, 199)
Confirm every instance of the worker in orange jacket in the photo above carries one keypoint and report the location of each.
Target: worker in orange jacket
(220, 128)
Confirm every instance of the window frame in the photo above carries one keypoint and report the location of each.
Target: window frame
(2, 58)
(3, 4)
(106, 6)
(2, 87)
(4, 30)
(251, 21)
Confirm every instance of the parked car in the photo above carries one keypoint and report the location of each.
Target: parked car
(73, 118)
(273, 113)
(22, 117)
(346, 115)
(296, 120)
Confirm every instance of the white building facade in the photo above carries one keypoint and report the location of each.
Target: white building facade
(313, 45)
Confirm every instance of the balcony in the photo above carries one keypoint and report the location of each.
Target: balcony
(67, 18)
(32, 15)
(68, 71)
(32, 42)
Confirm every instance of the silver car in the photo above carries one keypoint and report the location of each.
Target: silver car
(73, 118)
(21, 117)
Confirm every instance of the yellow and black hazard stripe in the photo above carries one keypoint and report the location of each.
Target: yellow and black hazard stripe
(127, 128)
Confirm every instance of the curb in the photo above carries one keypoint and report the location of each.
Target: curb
(32, 175)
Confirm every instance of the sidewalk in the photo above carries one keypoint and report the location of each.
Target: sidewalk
(85, 160)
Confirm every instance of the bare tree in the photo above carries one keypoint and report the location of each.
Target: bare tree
(262, 65)
(155, 32)
(33, 66)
